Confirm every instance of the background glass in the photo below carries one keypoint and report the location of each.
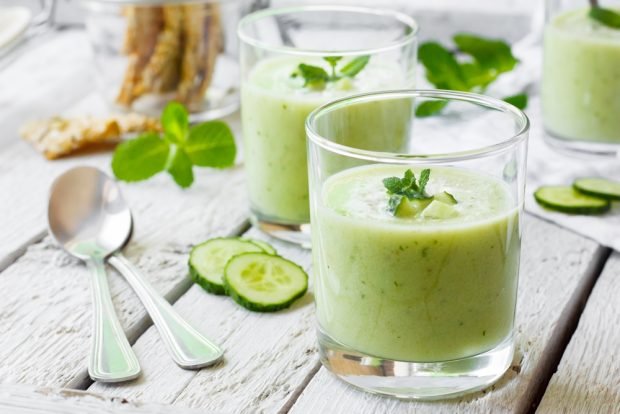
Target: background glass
(275, 105)
(581, 79)
(420, 307)
(148, 53)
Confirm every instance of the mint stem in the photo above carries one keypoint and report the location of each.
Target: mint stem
(594, 3)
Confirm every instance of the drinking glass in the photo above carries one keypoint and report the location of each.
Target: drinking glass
(275, 98)
(581, 79)
(416, 287)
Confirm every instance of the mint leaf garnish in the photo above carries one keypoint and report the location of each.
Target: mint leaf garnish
(211, 145)
(475, 64)
(175, 122)
(408, 186)
(316, 77)
(333, 61)
(180, 168)
(605, 16)
(140, 158)
(518, 100)
(177, 150)
(355, 66)
(429, 108)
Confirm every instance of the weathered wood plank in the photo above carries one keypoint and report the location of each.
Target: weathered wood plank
(266, 362)
(45, 312)
(553, 264)
(588, 377)
(21, 399)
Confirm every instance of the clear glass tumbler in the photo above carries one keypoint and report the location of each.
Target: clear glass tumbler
(581, 79)
(416, 279)
(150, 52)
(286, 68)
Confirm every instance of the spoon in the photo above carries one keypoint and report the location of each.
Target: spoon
(188, 348)
(83, 211)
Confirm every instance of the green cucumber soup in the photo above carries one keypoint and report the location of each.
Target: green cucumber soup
(274, 109)
(417, 288)
(581, 79)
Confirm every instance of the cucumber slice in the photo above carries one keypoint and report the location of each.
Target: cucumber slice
(439, 210)
(264, 283)
(208, 260)
(411, 208)
(446, 198)
(267, 248)
(598, 187)
(568, 200)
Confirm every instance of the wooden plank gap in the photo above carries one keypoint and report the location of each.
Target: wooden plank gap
(18, 252)
(295, 395)
(563, 332)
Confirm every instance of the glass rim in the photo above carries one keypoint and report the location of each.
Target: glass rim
(519, 117)
(278, 11)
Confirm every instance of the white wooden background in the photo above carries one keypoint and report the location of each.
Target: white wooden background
(270, 363)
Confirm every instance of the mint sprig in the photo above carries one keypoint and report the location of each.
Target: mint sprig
(316, 77)
(607, 17)
(483, 61)
(408, 186)
(176, 150)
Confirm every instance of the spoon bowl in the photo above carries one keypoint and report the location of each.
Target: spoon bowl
(87, 214)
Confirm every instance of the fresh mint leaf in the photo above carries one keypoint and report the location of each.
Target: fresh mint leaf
(180, 167)
(518, 100)
(333, 61)
(140, 158)
(175, 122)
(605, 16)
(211, 144)
(408, 186)
(355, 66)
(442, 68)
(314, 76)
(425, 175)
(477, 77)
(491, 54)
(392, 184)
(429, 108)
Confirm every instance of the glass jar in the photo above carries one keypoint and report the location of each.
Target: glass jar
(148, 53)
(581, 79)
(416, 247)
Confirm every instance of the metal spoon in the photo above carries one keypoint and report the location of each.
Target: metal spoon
(188, 347)
(84, 213)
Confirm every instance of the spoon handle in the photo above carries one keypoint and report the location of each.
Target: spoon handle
(188, 347)
(111, 356)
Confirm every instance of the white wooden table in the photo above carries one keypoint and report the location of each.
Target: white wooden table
(568, 309)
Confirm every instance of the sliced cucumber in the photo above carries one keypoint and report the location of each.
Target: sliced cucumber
(267, 248)
(568, 200)
(445, 197)
(264, 283)
(598, 187)
(208, 260)
(439, 210)
(411, 208)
